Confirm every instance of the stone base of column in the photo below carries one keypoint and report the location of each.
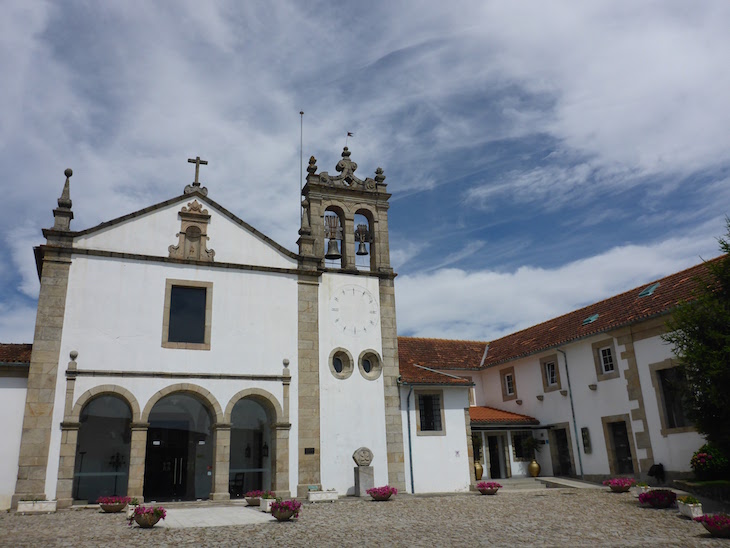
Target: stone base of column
(220, 496)
(282, 494)
(64, 503)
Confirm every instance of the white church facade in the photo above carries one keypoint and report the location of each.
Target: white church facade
(180, 354)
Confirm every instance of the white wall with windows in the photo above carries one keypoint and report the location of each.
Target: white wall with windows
(439, 448)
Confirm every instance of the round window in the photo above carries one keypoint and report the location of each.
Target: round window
(370, 365)
(341, 363)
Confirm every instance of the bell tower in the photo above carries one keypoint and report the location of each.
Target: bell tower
(344, 243)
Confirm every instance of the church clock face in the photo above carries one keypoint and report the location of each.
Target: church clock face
(354, 310)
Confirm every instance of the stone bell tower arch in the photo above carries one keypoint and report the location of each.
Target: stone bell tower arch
(346, 197)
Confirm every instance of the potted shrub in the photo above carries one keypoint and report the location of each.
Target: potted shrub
(717, 524)
(284, 510)
(112, 505)
(488, 487)
(689, 506)
(382, 493)
(147, 516)
(131, 507)
(709, 463)
(658, 498)
(619, 485)
(253, 498)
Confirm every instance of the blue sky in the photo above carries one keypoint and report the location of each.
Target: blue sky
(541, 155)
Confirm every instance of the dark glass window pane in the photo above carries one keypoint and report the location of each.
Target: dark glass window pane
(671, 381)
(429, 407)
(366, 366)
(187, 314)
(337, 363)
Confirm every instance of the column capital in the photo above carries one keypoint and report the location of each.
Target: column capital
(70, 425)
(221, 426)
(140, 425)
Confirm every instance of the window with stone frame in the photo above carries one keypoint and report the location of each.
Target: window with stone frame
(671, 381)
(509, 387)
(550, 373)
(187, 315)
(430, 416)
(518, 449)
(605, 360)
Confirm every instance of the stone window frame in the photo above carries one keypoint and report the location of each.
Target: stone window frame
(596, 348)
(520, 434)
(502, 381)
(654, 369)
(348, 364)
(431, 392)
(376, 365)
(546, 387)
(169, 284)
(610, 451)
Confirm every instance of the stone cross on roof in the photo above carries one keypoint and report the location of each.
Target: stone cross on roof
(196, 184)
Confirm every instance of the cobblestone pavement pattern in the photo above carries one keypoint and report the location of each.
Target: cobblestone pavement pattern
(551, 517)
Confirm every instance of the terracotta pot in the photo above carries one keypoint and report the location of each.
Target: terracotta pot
(145, 521)
(492, 491)
(283, 514)
(534, 468)
(478, 470)
(113, 508)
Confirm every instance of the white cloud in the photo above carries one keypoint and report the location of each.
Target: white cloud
(485, 305)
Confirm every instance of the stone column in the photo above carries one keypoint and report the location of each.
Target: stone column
(308, 385)
(67, 464)
(348, 244)
(470, 450)
(137, 456)
(221, 461)
(281, 476)
(393, 422)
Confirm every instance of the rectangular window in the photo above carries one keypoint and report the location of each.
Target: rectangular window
(187, 315)
(509, 384)
(671, 381)
(518, 448)
(429, 405)
(551, 374)
(430, 416)
(606, 359)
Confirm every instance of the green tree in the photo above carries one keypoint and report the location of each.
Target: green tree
(700, 332)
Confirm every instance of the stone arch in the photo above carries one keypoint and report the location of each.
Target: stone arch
(101, 390)
(207, 399)
(266, 399)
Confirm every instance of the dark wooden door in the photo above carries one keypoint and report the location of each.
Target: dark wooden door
(621, 447)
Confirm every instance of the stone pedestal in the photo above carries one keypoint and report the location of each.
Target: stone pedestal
(364, 480)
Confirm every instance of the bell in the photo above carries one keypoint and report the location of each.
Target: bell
(361, 249)
(333, 250)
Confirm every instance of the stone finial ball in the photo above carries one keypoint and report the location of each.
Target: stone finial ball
(285, 361)
(73, 353)
(68, 172)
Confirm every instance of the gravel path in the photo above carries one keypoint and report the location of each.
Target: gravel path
(549, 517)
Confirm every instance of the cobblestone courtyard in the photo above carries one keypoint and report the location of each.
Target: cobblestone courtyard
(550, 517)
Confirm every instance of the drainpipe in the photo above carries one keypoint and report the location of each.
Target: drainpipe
(572, 411)
(410, 445)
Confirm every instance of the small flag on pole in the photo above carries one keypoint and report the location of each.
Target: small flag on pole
(349, 134)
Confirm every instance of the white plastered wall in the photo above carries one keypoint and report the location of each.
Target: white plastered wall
(113, 318)
(440, 463)
(12, 406)
(352, 410)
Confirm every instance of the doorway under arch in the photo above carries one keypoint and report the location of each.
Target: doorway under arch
(102, 449)
(252, 450)
(179, 457)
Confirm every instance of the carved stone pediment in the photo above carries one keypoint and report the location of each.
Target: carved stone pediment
(347, 177)
(193, 237)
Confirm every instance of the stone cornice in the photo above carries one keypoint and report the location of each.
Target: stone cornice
(173, 375)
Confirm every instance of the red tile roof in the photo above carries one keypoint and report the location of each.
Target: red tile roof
(620, 310)
(15, 353)
(437, 354)
(491, 415)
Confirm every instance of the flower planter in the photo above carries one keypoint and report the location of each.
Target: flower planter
(381, 497)
(722, 532)
(36, 506)
(283, 514)
(322, 496)
(382, 493)
(491, 491)
(145, 521)
(692, 511)
(113, 508)
(620, 488)
(253, 501)
(718, 525)
(130, 510)
(265, 504)
(658, 498)
(638, 489)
